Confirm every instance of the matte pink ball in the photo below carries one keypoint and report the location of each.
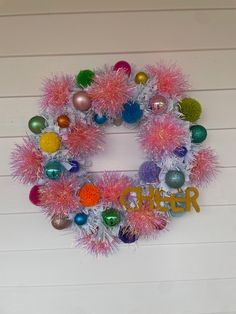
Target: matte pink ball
(123, 65)
(34, 195)
(158, 103)
(81, 101)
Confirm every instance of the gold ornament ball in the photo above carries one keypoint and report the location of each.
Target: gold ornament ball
(50, 142)
(141, 78)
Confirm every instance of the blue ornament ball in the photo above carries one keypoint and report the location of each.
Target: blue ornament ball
(100, 119)
(75, 166)
(132, 112)
(53, 169)
(180, 151)
(175, 179)
(126, 235)
(80, 219)
(149, 172)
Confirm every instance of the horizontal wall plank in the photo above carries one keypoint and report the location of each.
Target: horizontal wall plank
(186, 297)
(15, 122)
(117, 144)
(162, 263)
(13, 7)
(205, 69)
(33, 231)
(34, 35)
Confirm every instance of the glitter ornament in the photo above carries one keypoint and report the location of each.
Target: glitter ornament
(37, 124)
(60, 222)
(132, 112)
(158, 104)
(50, 142)
(89, 195)
(122, 66)
(53, 169)
(80, 219)
(81, 101)
(34, 195)
(111, 217)
(63, 121)
(175, 179)
(127, 235)
(84, 78)
(198, 134)
(149, 172)
(141, 78)
(191, 109)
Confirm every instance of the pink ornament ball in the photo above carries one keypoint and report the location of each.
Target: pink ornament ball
(34, 195)
(124, 66)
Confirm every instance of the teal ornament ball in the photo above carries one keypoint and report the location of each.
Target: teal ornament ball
(111, 217)
(85, 78)
(198, 133)
(100, 119)
(53, 169)
(175, 179)
(80, 219)
(36, 124)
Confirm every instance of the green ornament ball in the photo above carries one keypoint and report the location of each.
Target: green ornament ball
(198, 133)
(53, 169)
(111, 217)
(84, 78)
(175, 179)
(191, 109)
(37, 124)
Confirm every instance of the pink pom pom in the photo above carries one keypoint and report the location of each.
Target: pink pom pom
(27, 162)
(111, 185)
(162, 134)
(169, 79)
(56, 92)
(98, 244)
(203, 167)
(59, 197)
(84, 139)
(109, 92)
(146, 222)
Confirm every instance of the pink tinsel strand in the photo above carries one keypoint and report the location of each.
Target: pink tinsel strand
(146, 222)
(96, 245)
(203, 167)
(27, 162)
(169, 79)
(56, 92)
(109, 92)
(58, 197)
(162, 134)
(84, 139)
(111, 185)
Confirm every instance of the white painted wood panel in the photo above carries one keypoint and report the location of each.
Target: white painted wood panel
(59, 34)
(178, 297)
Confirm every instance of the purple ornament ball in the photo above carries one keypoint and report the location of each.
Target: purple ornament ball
(149, 172)
(180, 151)
(123, 65)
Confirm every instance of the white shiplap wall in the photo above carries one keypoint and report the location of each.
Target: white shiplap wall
(192, 268)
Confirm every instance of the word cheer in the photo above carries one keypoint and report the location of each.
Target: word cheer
(157, 200)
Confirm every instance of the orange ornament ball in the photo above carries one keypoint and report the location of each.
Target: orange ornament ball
(89, 195)
(63, 121)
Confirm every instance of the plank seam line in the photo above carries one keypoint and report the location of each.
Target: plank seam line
(118, 283)
(92, 12)
(104, 53)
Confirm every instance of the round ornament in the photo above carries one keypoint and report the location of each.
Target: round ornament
(122, 66)
(53, 169)
(37, 124)
(175, 179)
(50, 142)
(180, 151)
(34, 195)
(80, 219)
(81, 101)
(75, 166)
(60, 222)
(141, 78)
(158, 104)
(198, 133)
(84, 78)
(63, 121)
(111, 217)
(127, 235)
(100, 119)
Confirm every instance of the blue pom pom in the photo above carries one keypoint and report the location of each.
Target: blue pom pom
(132, 112)
(100, 119)
(149, 172)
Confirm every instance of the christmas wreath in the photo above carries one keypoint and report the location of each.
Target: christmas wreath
(107, 209)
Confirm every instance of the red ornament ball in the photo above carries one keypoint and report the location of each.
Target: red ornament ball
(123, 65)
(34, 195)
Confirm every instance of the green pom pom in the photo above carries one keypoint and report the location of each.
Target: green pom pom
(191, 109)
(84, 78)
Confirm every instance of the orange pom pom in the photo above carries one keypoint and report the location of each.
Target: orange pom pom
(89, 195)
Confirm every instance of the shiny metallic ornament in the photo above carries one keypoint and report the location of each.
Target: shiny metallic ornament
(111, 217)
(175, 179)
(141, 78)
(198, 133)
(100, 119)
(80, 219)
(53, 169)
(60, 222)
(81, 101)
(36, 124)
(124, 66)
(117, 121)
(158, 103)
(180, 151)
(75, 166)
(63, 121)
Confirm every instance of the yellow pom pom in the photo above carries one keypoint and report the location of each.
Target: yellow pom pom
(50, 142)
